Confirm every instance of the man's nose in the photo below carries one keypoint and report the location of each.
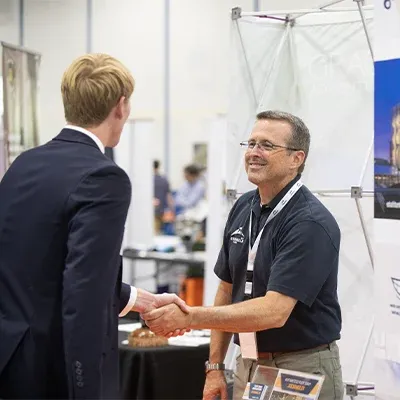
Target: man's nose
(256, 146)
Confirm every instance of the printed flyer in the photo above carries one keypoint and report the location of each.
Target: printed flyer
(279, 384)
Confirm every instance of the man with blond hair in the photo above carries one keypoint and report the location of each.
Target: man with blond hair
(63, 208)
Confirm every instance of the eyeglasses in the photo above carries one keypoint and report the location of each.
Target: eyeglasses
(264, 146)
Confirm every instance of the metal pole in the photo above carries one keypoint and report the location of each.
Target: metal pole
(364, 354)
(364, 228)
(360, 9)
(251, 81)
(327, 193)
(338, 191)
(256, 5)
(364, 169)
(21, 22)
(89, 26)
(274, 62)
(330, 4)
(296, 92)
(167, 105)
(321, 7)
(302, 11)
(340, 195)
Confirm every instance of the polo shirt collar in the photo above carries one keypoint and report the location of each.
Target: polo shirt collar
(274, 202)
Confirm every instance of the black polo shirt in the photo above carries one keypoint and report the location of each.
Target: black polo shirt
(298, 256)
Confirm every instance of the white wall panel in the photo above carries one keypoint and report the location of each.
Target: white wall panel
(9, 23)
(57, 30)
(133, 32)
(200, 48)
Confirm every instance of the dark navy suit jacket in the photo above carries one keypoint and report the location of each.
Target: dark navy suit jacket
(63, 208)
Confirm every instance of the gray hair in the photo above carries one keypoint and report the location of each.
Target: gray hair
(300, 139)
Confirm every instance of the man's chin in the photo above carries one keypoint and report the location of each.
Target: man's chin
(253, 179)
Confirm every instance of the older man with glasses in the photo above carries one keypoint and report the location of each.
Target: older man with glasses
(278, 267)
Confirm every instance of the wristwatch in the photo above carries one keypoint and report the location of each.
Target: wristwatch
(214, 366)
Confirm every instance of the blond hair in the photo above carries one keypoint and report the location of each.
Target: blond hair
(91, 86)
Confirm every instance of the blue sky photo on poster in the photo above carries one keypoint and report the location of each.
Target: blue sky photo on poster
(387, 139)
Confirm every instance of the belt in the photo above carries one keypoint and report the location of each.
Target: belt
(270, 356)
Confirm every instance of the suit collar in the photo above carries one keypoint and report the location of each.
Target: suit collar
(72, 135)
(92, 136)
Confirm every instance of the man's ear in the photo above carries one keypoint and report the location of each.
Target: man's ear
(119, 108)
(299, 158)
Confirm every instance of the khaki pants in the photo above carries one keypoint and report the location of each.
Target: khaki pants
(321, 362)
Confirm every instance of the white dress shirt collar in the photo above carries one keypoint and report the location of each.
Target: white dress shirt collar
(90, 134)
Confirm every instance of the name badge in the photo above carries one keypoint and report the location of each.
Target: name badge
(248, 345)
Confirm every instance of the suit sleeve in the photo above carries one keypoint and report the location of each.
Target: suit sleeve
(125, 292)
(97, 211)
(124, 296)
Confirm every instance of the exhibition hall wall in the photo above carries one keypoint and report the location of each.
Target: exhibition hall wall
(134, 31)
(199, 85)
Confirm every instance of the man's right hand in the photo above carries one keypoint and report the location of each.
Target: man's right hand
(215, 386)
(147, 302)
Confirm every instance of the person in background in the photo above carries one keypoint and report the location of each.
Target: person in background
(192, 191)
(163, 200)
(278, 270)
(63, 208)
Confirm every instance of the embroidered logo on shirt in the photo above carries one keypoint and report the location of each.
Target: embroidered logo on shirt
(237, 236)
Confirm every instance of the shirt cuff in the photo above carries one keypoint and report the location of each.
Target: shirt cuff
(131, 302)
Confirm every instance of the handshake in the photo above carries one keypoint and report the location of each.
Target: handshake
(165, 314)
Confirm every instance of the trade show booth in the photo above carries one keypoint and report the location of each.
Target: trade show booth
(318, 65)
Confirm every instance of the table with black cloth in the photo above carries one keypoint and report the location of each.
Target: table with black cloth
(169, 372)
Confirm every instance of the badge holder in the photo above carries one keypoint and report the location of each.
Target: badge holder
(248, 340)
(248, 345)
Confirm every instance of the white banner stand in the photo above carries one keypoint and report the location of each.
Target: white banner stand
(318, 64)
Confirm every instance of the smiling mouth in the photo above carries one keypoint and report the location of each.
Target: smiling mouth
(256, 164)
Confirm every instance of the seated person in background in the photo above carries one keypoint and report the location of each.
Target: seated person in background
(163, 201)
(192, 191)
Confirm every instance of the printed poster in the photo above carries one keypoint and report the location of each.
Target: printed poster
(387, 139)
(386, 239)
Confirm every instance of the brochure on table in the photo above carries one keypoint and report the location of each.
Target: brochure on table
(280, 384)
